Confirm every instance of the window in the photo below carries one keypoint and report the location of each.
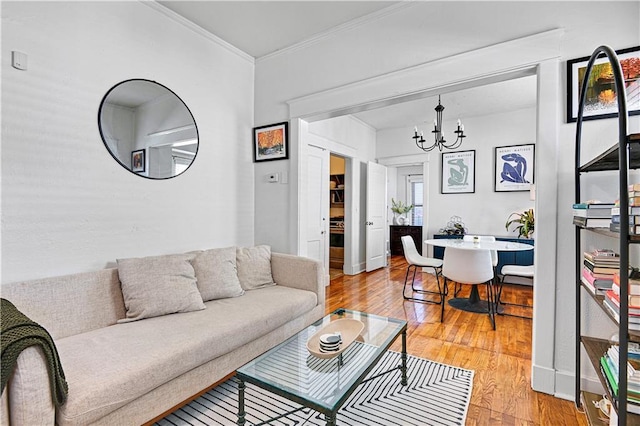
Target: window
(415, 192)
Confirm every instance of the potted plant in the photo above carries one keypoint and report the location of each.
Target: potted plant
(525, 223)
(400, 209)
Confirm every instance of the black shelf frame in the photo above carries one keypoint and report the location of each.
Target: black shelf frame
(622, 157)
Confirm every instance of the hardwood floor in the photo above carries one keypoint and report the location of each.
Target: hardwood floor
(501, 359)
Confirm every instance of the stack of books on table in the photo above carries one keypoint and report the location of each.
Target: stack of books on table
(612, 301)
(634, 212)
(609, 367)
(598, 270)
(592, 215)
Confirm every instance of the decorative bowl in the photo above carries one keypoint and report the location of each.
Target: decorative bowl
(349, 328)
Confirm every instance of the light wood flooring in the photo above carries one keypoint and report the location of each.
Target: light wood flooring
(501, 359)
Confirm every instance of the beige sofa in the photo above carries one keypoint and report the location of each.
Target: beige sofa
(130, 373)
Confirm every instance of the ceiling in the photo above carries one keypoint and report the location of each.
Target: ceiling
(261, 28)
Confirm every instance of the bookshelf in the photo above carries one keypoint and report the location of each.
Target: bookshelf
(623, 156)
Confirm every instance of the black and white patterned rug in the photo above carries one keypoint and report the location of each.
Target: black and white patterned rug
(437, 394)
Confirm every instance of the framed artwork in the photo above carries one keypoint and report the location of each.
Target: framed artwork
(514, 167)
(137, 161)
(271, 142)
(601, 101)
(458, 172)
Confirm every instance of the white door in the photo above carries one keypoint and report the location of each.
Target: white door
(376, 216)
(317, 195)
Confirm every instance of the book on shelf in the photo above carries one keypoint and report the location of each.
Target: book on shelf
(615, 298)
(633, 229)
(615, 313)
(634, 187)
(634, 285)
(632, 211)
(596, 285)
(600, 268)
(633, 402)
(592, 205)
(634, 219)
(633, 364)
(592, 222)
(600, 260)
(634, 201)
(597, 213)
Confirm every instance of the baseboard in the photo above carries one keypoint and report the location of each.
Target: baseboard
(543, 379)
(565, 385)
(561, 384)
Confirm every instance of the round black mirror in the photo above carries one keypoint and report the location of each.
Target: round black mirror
(148, 129)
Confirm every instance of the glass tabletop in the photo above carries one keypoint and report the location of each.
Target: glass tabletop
(290, 370)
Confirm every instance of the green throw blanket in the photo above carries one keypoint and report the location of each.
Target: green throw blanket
(17, 332)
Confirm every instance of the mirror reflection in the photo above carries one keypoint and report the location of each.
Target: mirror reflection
(148, 129)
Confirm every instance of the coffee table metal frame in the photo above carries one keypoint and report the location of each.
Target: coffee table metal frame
(247, 373)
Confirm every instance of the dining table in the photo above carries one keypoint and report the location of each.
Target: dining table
(474, 303)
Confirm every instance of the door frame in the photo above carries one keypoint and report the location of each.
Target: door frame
(539, 55)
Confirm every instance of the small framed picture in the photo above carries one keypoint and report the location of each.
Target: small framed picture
(137, 161)
(271, 142)
(458, 172)
(514, 167)
(601, 100)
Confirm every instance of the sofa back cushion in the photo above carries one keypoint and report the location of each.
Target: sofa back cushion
(158, 285)
(254, 267)
(70, 304)
(217, 273)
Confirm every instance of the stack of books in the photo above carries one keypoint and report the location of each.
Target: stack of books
(612, 301)
(592, 215)
(634, 212)
(599, 269)
(609, 367)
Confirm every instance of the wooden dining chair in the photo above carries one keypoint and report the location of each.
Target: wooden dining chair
(415, 261)
(473, 267)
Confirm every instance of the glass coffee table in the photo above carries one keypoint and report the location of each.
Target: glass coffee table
(324, 385)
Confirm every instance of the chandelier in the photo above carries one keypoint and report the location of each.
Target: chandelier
(440, 142)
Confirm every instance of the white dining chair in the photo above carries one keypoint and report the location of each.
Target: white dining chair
(415, 261)
(473, 267)
(519, 271)
(494, 253)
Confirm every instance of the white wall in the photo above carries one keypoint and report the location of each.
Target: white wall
(485, 211)
(67, 206)
(400, 41)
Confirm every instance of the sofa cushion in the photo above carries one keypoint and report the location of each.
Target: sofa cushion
(254, 267)
(109, 367)
(158, 285)
(217, 274)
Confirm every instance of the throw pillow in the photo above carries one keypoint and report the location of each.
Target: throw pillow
(158, 285)
(217, 273)
(254, 267)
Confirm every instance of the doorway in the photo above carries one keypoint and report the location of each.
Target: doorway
(337, 205)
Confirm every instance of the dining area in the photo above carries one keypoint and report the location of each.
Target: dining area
(480, 262)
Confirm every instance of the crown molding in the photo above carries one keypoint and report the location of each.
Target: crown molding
(153, 4)
(349, 25)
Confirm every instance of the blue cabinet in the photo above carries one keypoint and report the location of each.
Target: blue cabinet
(523, 258)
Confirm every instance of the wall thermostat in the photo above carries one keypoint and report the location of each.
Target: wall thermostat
(273, 177)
